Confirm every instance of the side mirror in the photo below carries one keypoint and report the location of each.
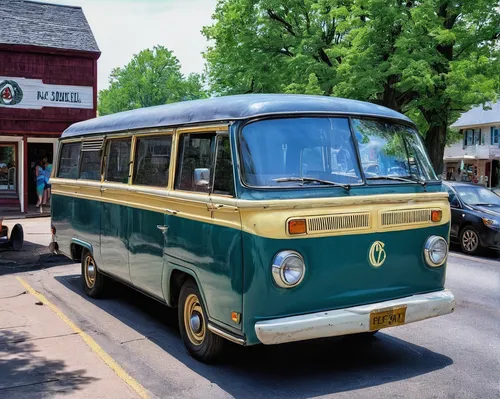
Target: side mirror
(201, 178)
(454, 202)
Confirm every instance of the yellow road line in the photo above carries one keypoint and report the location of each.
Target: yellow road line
(119, 371)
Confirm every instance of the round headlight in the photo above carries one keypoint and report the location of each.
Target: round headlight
(435, 251)
(288, 269)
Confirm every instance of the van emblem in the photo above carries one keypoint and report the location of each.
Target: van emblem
(377, 254)
(10, 93)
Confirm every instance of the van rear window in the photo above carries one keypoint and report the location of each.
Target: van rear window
(69, 161)
(91, 165)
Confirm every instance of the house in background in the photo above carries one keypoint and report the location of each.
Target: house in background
(48, 81)
(476, 157)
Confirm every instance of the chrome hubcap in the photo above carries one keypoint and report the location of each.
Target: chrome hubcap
(470, 241)
(194, 321)
(90, 271)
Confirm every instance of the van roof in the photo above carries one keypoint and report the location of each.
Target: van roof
(225, 109)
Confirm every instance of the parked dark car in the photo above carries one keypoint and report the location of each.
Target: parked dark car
(475, 217)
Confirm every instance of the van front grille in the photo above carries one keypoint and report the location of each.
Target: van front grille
(413, 216)
(352, 221)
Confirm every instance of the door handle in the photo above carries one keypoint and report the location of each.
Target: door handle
(213, 207)
(102, 190)
(162, 228)
(171, 211)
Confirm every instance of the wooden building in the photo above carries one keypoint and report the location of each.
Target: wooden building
(48, 81)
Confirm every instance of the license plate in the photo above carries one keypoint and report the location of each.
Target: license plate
(387, 317)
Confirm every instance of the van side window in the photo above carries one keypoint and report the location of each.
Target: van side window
(223, 181)
(91, 165)
(118, 160)
(70, 159)
(152, 161)
(195, 153)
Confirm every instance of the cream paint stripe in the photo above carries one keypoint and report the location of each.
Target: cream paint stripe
(119, 371)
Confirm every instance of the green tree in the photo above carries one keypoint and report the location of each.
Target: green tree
(430, 59)
(152, 77)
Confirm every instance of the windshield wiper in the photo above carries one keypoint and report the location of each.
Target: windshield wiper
(305, 180)
(398, 178)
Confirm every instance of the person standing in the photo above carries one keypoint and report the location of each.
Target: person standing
(40, 182)
(47, 187)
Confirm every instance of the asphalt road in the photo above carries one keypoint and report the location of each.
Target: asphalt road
(454, 356)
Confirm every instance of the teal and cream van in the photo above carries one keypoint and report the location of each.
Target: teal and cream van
(262, 218)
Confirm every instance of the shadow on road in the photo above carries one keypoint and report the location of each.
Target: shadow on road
(31, 257)
(24, 374)
(485, 253)
(296, 370)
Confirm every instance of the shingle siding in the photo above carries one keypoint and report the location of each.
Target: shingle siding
(45, 25)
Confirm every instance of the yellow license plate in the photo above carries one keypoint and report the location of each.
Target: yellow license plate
(387, 317)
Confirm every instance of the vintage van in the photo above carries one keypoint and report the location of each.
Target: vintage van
(262, 218)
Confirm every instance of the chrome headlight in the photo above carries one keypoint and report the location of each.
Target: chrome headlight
(435, 251)
(288, 269)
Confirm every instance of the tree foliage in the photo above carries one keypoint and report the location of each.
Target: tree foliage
(152, 77)
(430, 59)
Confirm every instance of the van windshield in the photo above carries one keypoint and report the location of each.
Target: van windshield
(390, 151)
(318, 151)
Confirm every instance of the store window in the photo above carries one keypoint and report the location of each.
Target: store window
(472, 137)
(495, 135)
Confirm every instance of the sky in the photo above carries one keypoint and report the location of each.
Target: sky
(123, 28)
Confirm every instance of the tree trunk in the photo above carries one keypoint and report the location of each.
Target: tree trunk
(435, 142)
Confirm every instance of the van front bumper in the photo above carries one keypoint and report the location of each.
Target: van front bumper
(350, 320)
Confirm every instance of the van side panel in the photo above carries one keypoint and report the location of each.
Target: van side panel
(146, 244)
(114, 240)
(76, 218)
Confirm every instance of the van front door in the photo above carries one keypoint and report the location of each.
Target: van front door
(204, 228)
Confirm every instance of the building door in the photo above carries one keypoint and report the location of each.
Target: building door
(495, 173)
(8, 168)
(487, 170)
(36, 153)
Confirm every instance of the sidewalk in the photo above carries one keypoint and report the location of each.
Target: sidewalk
(35, 252)
(42, 356)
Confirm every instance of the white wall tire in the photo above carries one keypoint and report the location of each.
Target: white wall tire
(200, 342)
(93, 280)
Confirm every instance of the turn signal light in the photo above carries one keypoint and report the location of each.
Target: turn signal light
(236, 317)
(436, 215)
(297, 226)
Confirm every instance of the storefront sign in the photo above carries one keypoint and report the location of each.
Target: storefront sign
(34, 94)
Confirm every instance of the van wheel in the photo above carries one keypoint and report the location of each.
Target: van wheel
(469, 241)
(201, 343)
(93, 281)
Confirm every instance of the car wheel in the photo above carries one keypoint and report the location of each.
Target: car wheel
(93, 280)
(469, 240)
(201, 343)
